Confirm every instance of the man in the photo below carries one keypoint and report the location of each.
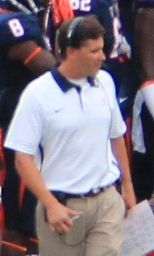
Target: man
(23, 57)
(143, 125)
(72, 113)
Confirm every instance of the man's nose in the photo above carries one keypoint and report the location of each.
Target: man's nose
(102, 56)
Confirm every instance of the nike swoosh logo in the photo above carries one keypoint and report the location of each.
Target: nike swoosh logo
(121, 100)
(58, 110)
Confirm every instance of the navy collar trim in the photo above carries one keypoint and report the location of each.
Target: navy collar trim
(63, 83)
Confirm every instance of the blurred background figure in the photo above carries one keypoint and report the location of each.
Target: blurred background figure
(25, 54)
(143, 124)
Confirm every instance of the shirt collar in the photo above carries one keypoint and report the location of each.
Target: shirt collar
(63, 83)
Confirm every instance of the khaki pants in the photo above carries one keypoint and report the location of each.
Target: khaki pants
(97, 232)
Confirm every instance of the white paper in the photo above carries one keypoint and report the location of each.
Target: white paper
(138, 228)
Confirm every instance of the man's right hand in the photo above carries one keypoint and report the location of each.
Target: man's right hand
(60, 217)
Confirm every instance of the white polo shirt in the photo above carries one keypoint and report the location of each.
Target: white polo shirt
(72, 127)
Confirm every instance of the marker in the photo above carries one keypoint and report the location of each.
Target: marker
(76, 217)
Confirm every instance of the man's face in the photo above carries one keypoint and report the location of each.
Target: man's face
(89, 57)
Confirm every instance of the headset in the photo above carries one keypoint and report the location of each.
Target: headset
(72, 29)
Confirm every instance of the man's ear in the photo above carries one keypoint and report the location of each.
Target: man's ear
(71, 51)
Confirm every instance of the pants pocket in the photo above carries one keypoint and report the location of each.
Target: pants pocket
(77, 232)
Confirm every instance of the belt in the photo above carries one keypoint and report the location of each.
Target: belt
(63, 197)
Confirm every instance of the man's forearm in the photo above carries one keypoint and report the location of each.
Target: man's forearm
(29, 173)
(36, 61)
(119, 150)
(57, 215)
(120, 153)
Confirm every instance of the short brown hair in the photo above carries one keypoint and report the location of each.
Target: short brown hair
(84, 28)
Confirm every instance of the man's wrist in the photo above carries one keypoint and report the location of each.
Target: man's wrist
(126, 181)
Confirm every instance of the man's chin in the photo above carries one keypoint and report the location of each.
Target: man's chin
(94, 73)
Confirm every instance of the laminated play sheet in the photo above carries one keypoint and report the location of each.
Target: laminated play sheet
(138, 229)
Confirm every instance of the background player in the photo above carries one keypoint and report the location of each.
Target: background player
(143, 126)
(23, 57)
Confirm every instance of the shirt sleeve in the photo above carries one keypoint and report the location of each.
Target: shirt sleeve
(25, 131)
(118, 127)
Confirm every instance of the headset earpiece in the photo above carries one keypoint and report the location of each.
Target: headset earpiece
(72, 29)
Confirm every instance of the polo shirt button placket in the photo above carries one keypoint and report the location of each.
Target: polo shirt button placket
(83, 99)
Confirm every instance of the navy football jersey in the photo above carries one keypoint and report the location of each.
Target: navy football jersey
(15, 27)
